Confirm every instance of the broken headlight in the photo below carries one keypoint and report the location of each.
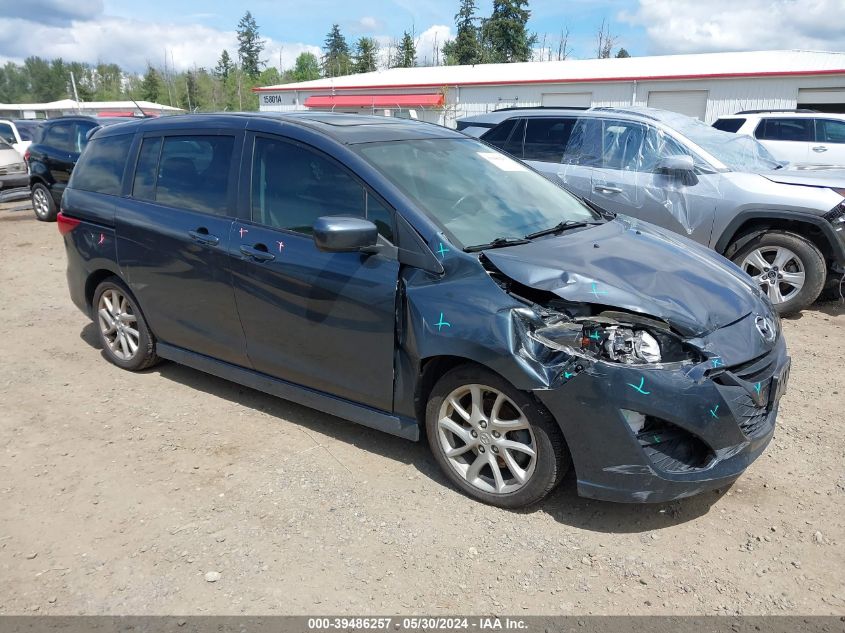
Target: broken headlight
(623, 343)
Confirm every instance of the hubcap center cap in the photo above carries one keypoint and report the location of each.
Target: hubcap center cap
(485, 438)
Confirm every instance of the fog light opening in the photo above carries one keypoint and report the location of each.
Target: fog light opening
(635, 420)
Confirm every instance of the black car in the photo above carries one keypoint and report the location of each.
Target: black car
(413, 280)
(51, 157)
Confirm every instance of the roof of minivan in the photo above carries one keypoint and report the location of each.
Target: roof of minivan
(344, 128)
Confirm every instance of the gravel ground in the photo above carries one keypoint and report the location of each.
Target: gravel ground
(172, 491)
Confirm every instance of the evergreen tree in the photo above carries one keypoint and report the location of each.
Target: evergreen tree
(250, 46)
(306, 67)
(465, 48)
(366, 55)
(224, 65)
(622, 53)
(505, 34)
(406, 52)
(336, 56)
(151, 85)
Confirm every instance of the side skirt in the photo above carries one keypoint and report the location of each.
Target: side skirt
(395, 425)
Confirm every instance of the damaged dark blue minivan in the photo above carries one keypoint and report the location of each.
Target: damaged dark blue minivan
(416, 281)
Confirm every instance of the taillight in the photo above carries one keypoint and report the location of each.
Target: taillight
(26, 156)
(65, 224)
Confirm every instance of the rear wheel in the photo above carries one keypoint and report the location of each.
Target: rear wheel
(493, 441)
(42, 203)
(124, 335)
(788, 268)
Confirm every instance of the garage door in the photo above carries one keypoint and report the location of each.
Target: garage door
(822, 99)
(689, 102)
(567, 99)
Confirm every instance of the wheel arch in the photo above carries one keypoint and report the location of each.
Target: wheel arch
(748, 225)
(433, 367)
(94, 279)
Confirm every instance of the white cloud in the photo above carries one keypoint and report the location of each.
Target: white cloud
(132, 43)
(367, 24)
(431, 41)
(690, 26)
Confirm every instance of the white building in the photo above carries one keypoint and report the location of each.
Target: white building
(69, 106)
(705, 86)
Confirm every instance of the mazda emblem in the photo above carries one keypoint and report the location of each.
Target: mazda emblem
(766, 327)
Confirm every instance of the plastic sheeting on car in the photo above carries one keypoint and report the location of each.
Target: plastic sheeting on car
(621, 165)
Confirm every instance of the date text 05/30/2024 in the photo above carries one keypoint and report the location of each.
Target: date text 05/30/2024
(417, 623)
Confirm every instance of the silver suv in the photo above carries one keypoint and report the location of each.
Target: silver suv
(784, 228)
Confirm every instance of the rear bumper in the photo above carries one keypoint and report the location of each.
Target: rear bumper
(712, 429)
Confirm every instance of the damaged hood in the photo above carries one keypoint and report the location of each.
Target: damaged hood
(637, 267)
(828, 177)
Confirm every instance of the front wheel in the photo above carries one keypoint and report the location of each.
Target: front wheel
(493, 441)
(788, 268)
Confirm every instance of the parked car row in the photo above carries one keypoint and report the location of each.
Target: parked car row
(424, 283)
(785, 228)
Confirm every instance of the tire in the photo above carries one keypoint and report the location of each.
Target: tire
(521, 421)
(115, 310)
(42, 203)
(793, 255)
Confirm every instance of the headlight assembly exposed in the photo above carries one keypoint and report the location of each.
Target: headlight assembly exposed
(623, 343)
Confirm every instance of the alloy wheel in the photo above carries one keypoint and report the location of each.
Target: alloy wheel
(40, 204)
(118, 324)
(486, 439)
(778, 270)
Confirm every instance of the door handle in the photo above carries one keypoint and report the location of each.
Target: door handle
(258, 253)
(606, 189)
(201, 235)
(819, 148)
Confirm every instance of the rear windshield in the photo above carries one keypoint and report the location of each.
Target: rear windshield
(729, 125)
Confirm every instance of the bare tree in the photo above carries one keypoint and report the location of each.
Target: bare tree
(563, 49)
(605, 41)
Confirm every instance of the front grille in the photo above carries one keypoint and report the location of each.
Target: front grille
(671, 448)
(753, 420)
(738, 381)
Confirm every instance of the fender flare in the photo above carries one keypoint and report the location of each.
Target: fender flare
(837, 246)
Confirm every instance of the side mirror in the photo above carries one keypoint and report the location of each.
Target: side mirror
(680, 166)
(339, 234)
(680, 162)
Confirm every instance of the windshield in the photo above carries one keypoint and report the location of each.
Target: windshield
(739, 152)
(473, 191)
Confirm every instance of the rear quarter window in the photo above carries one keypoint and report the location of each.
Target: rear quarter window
(729, 125)
(100, 168)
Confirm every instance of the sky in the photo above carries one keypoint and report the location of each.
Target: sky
(189, 33)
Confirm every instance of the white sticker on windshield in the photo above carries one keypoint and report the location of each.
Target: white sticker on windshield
(501, 161)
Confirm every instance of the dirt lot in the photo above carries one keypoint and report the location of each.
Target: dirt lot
(119, 492)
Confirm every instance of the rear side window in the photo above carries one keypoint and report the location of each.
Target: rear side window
(729, 125)
(499, 134)
(546, 138)
(292, 186)
(188, 172)
(830, 131)
(61, 136)
(783, 129)
(100, 168)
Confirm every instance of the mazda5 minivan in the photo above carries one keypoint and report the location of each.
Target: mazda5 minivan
(416, 281)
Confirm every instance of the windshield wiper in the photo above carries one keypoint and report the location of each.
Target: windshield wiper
(559, 228)
(497, 243)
